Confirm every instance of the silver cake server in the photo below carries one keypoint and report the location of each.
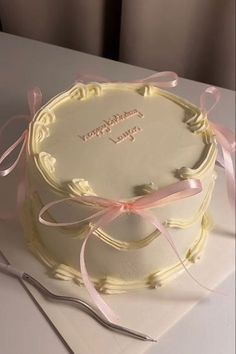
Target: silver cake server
(7, 268)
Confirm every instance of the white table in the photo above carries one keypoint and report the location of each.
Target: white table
(24, 63)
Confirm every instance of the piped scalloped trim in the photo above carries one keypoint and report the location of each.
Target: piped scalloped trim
(112, 285)
(195, 121)
(203, 166)
(82, 230)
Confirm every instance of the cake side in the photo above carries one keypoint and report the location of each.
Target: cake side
(129, 250)
(111, 284)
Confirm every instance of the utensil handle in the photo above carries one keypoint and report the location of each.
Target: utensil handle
(7, 268)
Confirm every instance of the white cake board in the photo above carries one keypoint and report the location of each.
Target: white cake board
(153, 312)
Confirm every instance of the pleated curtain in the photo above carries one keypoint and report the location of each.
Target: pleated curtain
(195, 38)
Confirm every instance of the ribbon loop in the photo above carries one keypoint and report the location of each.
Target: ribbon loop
(9, 151)
(226, 140)
(34, 102)
(206, 106)
(163, 79)
(164, 196)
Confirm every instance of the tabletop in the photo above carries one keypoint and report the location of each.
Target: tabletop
(26, 63)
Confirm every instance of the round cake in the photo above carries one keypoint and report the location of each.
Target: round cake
(118, 141)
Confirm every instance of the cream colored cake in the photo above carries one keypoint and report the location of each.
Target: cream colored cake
(118, 141)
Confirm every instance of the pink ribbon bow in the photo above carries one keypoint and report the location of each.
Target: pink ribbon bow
(111, 210)
(226, 140)
(34, 102)
(162, 79)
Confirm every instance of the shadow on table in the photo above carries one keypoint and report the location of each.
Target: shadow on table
(222, 231)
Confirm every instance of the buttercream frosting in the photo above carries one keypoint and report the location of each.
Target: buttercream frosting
(118, 141)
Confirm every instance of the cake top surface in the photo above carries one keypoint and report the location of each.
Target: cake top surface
(116, 140)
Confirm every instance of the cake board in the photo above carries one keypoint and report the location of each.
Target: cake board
(152, 312)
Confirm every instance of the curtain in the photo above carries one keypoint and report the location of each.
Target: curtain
(195, 38)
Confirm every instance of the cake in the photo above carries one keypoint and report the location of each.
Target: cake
(118, 141)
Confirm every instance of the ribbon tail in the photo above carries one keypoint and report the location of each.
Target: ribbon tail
(220, 161)
(101, 218)
(34, 100)
(227, 135)
(8, 152)
(148, 216)
(110, 215)
(229, 175)
(22, 187)
(227, 163)
(95, 296)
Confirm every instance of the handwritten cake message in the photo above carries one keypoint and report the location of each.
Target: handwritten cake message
(108, 124)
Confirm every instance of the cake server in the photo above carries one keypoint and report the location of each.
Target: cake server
(7, 268)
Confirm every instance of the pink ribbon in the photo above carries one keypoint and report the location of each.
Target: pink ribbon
(170, 79)
(225, 138)
(110, 210)
(162, 79)
(34, 101)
